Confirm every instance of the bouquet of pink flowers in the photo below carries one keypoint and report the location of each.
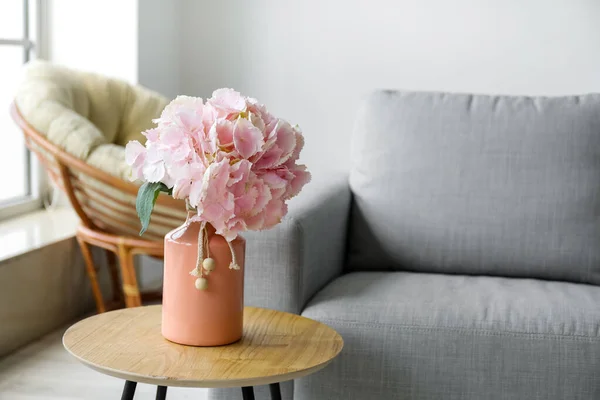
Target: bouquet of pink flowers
(228, 157)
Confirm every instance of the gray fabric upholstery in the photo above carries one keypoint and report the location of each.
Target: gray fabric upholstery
(287, 265)
(474, 184)
(428, 337)
(450, 184)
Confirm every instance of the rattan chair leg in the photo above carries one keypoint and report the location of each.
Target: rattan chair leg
(115, 279)
(91, 270)
(131, 290)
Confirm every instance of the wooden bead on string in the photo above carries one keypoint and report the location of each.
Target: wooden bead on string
(209, 264)
(201, 283)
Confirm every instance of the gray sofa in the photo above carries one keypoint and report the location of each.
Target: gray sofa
(461, 258)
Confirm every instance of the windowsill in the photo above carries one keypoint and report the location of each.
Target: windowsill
(35, 230)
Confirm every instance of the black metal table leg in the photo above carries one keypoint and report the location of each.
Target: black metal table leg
(248, 393)
(161, 392)
(275, 391)
(128, 390)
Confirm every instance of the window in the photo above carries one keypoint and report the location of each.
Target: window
(19, 40)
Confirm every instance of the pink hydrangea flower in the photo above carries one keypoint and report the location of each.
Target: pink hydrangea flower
(135, 156)
(228, 157)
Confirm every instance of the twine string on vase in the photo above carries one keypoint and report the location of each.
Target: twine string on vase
(197, 271)
(234, 264)
(206, 243)
(206, 265)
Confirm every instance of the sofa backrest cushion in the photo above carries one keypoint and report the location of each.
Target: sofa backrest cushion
(474, 184)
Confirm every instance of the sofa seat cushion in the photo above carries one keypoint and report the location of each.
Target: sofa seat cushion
(432, 336)
(475, 184)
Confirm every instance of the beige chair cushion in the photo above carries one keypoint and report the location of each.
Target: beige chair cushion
(84, 113)
(92, 117)
(110, 158)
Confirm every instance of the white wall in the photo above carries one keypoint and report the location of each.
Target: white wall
(95, 35)
(135, 40)
(158, 45)
(311, 61)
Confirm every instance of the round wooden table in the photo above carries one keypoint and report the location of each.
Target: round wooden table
(276, 347)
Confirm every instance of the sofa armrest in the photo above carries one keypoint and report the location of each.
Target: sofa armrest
(287, 265)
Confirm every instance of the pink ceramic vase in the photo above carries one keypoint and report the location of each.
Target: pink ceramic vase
(209, 317)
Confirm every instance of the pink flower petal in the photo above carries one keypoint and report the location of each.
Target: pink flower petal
(286, 141)
(257, 121)
(274, 212)
(195, 193)
(273, 180)
(278, 193)
(264, 196)
(151, 134)
(215, 213)
(181, 188)
(205, 143)
(269, 158)
(260, 109)
(183, 151)
(222, 133)
(190, 120)
(271, 132)
(297, 148)
(232, 229)
(246, 201)
(216, 203)
(154, 172)
(301, 178)
(256, 222)
(209, 116)
(247, 139)
(153, 154)
(172, 136)
(239, 172)
(178, 105)
(227, 102)
(134, 150)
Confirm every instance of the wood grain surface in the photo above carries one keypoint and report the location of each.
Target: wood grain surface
(276, 347)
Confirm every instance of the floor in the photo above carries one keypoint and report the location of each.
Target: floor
(45, 371)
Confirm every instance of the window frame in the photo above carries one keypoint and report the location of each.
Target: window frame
(33, 48)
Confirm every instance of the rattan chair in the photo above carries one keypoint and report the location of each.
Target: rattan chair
(104, 201)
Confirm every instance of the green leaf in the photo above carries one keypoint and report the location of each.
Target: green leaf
(146, 198)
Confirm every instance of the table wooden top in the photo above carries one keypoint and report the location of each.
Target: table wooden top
(276, 347)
